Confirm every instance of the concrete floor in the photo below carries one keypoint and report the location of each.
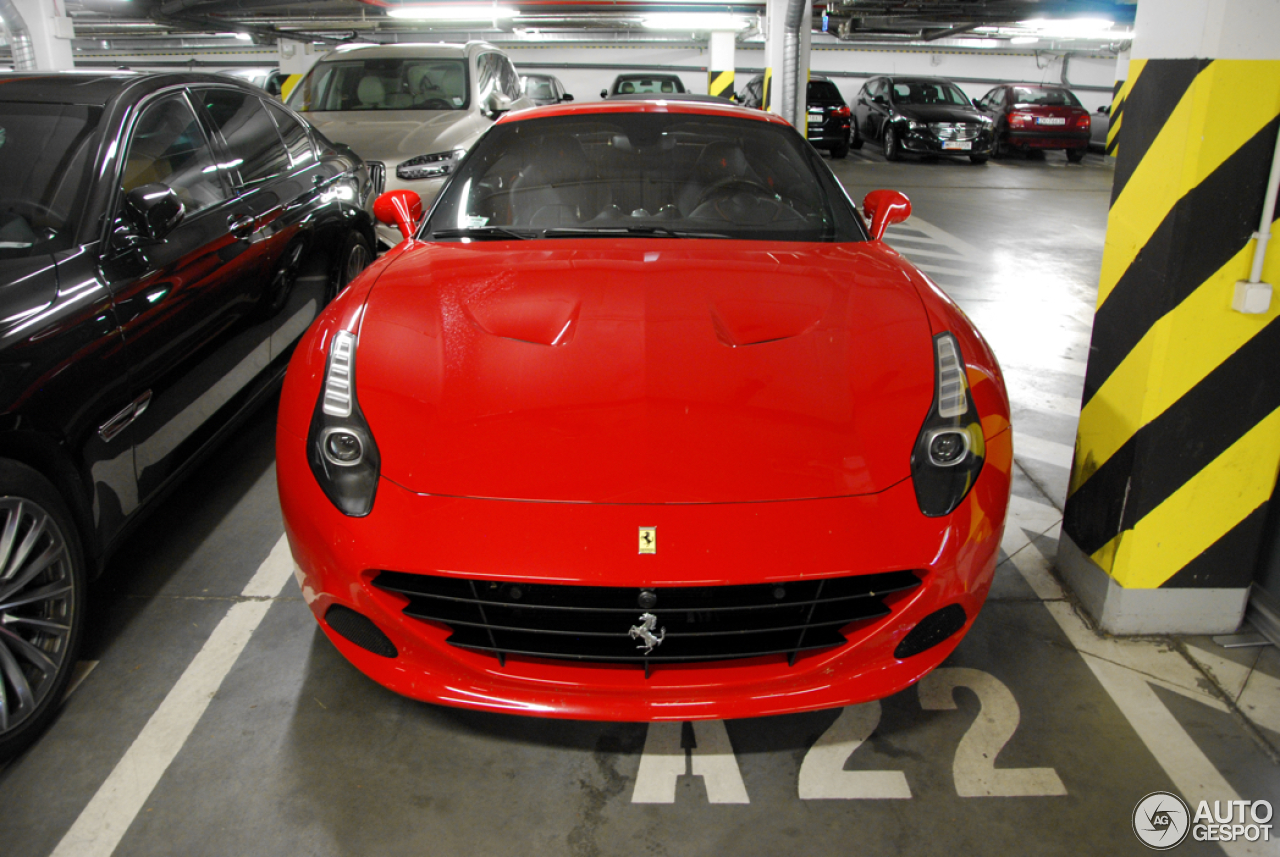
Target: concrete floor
(215, 723)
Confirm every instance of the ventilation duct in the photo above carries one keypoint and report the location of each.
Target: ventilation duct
(24, 52)
(793, 96)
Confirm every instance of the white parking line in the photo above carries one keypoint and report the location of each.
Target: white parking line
(103, 823)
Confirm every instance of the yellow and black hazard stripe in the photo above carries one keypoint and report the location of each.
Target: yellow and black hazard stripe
(720, 83)
(766, 102)
(1179, 437)
(1118, 95)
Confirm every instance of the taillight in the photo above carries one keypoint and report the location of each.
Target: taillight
(1082, 121)
(842, 112)
(1021, 120)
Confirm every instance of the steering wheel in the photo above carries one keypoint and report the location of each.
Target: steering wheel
(734, 184)
(436, 104)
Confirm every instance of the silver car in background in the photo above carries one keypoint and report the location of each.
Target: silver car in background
(410, 110)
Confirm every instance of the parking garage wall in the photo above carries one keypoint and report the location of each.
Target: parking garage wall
(585, 71)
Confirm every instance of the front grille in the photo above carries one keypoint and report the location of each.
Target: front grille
(953, 131)
(377, 176)
(595, 623)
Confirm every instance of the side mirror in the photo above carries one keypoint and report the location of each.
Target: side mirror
(153, 210)
(566, 97)
(497, 104)
(884, 207)
(879, 99)
(399, 208)
(1105, 110)
(604, 93)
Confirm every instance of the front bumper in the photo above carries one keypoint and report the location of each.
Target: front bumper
(1054, 139)
(699, 544)
(924, 142)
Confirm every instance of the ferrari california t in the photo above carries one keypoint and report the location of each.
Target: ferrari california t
(644, 422)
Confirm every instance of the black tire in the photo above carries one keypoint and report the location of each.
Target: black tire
(855, 139)
(354, 257)
(36, 660)
(979, 159)
(1075, 156)
(1000, 148)
(892, 151)
(839, 150)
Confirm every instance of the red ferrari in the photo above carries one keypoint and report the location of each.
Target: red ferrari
(644, 422)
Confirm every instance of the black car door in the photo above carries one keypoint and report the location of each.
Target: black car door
(186, 304)
(282, 185)
(877, 108)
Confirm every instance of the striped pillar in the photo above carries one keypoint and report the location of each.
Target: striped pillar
(1178, 446)
(1118, 95)
(720, 64)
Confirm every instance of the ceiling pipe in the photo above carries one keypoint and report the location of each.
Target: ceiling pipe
(20, 44)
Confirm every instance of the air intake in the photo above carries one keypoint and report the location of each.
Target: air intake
(931, 631)
(360, 630)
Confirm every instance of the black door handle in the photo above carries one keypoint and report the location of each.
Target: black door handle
(241, 226)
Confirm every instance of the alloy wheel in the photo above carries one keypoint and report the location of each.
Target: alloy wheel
(37, 608)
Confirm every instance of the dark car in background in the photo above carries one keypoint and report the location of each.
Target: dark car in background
(921, 116)
(644, 84)
(828, 116)
(544, 89)
(164, 242)
(1028, 117)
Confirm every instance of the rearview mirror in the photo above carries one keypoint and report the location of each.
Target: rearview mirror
(401, 209)
(885, 207)
(153, 210)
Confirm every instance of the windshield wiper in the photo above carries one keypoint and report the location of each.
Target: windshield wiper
(491, 232)
(615, 231)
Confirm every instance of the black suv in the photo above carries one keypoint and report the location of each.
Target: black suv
(828, 115)
(164, 241)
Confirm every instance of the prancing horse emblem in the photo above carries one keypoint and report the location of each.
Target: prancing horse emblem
(644, 631)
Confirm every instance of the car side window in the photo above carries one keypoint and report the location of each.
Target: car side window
(257, 152)
(296, 138)
(169, 146)
(486, 77)
(510, 81)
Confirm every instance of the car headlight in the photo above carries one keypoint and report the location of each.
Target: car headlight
(949, 452)
(340, 447)
(917, 126)
(431, 166)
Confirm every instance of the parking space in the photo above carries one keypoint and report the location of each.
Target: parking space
(218, 719)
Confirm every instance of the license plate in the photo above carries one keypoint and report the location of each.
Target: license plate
(956, 144)
(1055, 120)
(815, 120)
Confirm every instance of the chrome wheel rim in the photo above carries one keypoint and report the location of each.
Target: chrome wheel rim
(37, 604)
(357, 260)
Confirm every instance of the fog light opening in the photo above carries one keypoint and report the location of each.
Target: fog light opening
(932, 630)
(360, 630)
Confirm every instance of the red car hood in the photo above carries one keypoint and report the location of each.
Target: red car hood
(638, 371)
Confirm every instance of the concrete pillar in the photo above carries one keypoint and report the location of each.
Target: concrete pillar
(720, 66)
(775, 36)
(296, 59)
(50, 33)
(1178, 447)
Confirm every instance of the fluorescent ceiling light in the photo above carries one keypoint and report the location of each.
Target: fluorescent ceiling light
(1071, 28)
(1023, 40)
(695, 21)
(451, 13)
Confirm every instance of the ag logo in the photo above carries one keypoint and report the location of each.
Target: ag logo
(1161, 820)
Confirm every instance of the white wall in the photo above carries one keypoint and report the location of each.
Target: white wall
(975, 73)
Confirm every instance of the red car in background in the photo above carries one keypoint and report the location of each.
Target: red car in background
(1031, 117)
(644, 423)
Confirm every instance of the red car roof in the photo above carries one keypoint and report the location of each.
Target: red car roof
(667, 104)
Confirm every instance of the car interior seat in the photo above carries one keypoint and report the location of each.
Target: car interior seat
(454, 83)
(719, 163)
(371, 92)
(558, 187)
(627, 88)
(668, 86)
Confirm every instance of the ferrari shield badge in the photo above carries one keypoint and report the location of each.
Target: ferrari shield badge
(648, 540)
(644, 633)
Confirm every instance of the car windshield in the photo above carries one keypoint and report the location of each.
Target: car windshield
(383, 84)
(676, 175)
(928, 92)
(45, 150)
(1044, 97)
(658, 83)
